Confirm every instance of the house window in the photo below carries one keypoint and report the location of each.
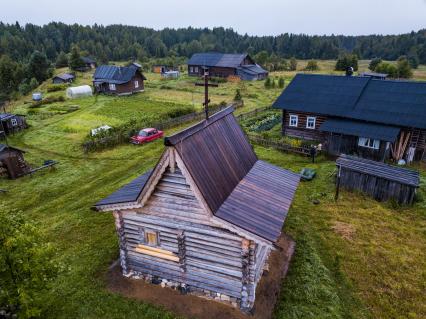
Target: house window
(14, 122)
(136, 84)
(369, 143)
(293, 120)
(310, 122)
(112, 86)
(196, 69)
(191, 69)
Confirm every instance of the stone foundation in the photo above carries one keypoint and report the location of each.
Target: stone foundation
(185, 289)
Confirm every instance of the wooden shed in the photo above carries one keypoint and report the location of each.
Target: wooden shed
(11, 123)
(381, 181)
(12, 162)
(206, 218)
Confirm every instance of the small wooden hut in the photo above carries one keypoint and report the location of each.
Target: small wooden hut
(12, 162)
(206, 218)
(381, 181)
(11, 123)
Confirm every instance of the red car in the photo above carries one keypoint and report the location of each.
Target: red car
(146, 135)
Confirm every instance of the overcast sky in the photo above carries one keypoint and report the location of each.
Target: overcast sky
(264, 17)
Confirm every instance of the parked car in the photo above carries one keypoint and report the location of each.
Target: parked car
(146, 135)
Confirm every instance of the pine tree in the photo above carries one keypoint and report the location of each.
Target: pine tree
(61, 60)
(374, 63)
(75, 60)
(38, 67)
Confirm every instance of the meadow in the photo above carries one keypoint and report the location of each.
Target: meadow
(355, 258)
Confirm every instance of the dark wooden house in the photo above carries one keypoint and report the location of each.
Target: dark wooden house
(381, 181)
(363, 116)
(120, 80)
(88, 64)
(63, 78)
(12, 163)
(206, 218)
(11, 123)
(225, 65)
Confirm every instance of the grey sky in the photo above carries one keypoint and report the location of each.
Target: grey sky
(265, 17)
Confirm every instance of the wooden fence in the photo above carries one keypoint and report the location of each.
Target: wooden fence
(246, 115)
(279, 145)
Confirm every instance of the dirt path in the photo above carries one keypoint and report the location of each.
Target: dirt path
(195, 307)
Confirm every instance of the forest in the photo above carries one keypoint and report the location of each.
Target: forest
(122, 42)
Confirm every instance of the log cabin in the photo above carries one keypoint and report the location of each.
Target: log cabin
(12, 163)
(226, 65)
(11, 123)
(118, 80)
(206, 218)
(356, 115)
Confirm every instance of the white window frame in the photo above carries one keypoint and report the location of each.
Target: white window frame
(14, 122)
(293, 117)
(314, 123)
(369, 143)
(136, 84)
(191, 69)
(143, 236)
(196, 69)
(112, 87)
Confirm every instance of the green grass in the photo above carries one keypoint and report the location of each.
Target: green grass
(377, 271)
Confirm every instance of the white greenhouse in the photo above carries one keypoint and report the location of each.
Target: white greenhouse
(79, 91)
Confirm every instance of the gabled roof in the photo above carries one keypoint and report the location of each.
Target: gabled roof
(5, 116)
(251, 70)
(87, 60)
(115, 74)
(217, 59)
(400, 103)
(237, 187)
(64, 76)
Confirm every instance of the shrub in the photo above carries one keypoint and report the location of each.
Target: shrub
(312, 66)
(293, 64)
(374, 63)
(173, 113)
(268, 83)
(281, 82)
(346, 61)
(237, 96)
(56, 87)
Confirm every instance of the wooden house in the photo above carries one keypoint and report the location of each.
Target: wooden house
(12, 162)
(63, 78)
(226, 65)
(88, 64)
(119, 80)
(381, 181)
(364, 116)
(206, 218)
(160, 68)
(11, 123)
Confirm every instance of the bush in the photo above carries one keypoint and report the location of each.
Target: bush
(48, 100)
(374, 63)
(312, 66)
(56, 87)
(262, 123)
(293, 64)
(268, 83)
(281, 82)
(347, 61)
(173, 113)
(238, 96)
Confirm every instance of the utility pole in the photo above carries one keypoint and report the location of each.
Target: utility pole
(206, 85)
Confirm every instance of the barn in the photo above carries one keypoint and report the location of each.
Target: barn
(11, 123)
(12, 163)
(63, 78)
(119, 80)
(226, 65)
(357, 115)
(204, 225)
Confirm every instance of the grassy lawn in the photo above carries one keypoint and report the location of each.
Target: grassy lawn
(356, 258)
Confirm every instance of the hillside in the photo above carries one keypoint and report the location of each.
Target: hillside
(356, 258)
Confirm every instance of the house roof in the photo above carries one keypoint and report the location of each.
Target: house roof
(115, 74)
(236, 186)
(363, 129)
(217, 59)
(251, 69)
(5, 116)
(87, 60)
(401, 103)
(65, 76)
(127, 193)
(4, 147)
(393, 173)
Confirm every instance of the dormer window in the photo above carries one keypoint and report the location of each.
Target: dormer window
(293, 120)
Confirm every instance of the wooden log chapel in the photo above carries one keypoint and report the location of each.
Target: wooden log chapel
(381, 181)
(206, 218)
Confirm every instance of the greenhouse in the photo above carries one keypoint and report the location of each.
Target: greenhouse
(79, 91)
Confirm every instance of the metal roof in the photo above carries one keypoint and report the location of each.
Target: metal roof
(401, 103)
(115, 74)
(5, 116)
(393, 173)
(217, 59)
(127, 193)
(64, 76)
(251, 69)
(362, 129)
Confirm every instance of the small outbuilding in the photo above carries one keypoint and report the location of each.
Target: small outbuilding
(11, 123)
(79, 91)
(12, 163)
(63, 78)
(88, 64)
(170, 75)
(381, 181)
